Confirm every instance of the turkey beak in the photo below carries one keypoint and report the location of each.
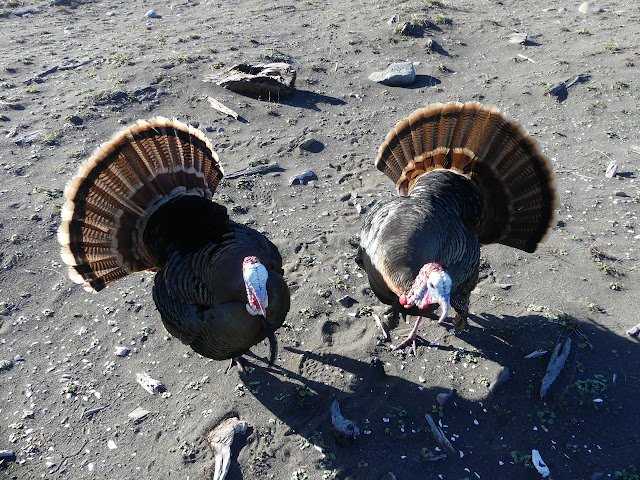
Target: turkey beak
(443, 301)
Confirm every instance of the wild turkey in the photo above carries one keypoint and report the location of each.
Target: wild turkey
(143, 202)
(465, 176)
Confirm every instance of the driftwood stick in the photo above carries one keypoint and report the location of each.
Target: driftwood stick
(252, 171)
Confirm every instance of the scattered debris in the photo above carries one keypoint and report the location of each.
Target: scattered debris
(93, 411)
(149, 384)
(216, 105)
(442, 398)
(29, 137)
(138, 414)
(556, 364)
(220, 439)
(518, 37)
(396, 75)
(122, 351)
(439, 435)
(307, 144)
(560, 90)
(536, 354)
(537, 461)
(253, 171)
(612, 169)
(633, 331)
(589, 7)
(303, 178)
(524, 57)
(276, 79)
(345, 431)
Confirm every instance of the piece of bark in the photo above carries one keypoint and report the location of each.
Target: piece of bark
(439, 435)
(277, 79)
(345, 430)
(220, 439)
(149, 384)
(556, 364)
(216, 105)
(633, 331)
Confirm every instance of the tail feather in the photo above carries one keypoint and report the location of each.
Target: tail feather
(513, 176)
(116, 191)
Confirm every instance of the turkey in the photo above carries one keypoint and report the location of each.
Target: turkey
(465, 177)
(143, 202)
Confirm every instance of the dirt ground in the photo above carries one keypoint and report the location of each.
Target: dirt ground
(74, 72)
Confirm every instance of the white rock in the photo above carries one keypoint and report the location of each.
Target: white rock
(122, 351)
(589, 7)
(152, 14)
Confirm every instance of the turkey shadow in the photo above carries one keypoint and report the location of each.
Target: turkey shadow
(388, 410)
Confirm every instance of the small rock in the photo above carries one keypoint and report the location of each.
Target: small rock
(518, 37)
(359, 208)
(122, 351)
(111, 445)
(622, 194)
(347, 301)
(138, 414)
(306, 145)
(442, 398)
(396, 75)
(303, 178)
(18, 358)
(589, 7)
(152, 14)
(611, 171)
(19, 13)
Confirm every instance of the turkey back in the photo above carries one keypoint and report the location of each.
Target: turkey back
(514, 178)
(135, 190)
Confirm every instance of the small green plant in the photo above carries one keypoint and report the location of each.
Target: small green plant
(591, 386)
(6, 365)
(303, 395)
(629, 473)
(327, 460)
(426, 453)
(546, 416)
(324, 292)
(437, 410)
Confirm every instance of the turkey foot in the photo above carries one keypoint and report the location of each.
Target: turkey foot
(411, 338)
(238, 362)
(459, 323)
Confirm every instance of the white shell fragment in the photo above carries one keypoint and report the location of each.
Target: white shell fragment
(343, 426)
(111, 445)
(537, 461)
(220, 439)
(518, 37)
(556, 364)
(149, 384)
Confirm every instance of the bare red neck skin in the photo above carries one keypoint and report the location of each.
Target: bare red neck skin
(421, 282)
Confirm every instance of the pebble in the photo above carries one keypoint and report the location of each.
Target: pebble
(122, 351)
(18, 358)
(303, 178)
(611, 171)
(306, 145)
(589, 7)
(396, 75)
(152, 14)
(138, 414)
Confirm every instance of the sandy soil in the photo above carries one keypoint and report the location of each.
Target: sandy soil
(115, 65)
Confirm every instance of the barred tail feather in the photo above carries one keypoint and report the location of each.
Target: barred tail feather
(513, 176)
(116, 191)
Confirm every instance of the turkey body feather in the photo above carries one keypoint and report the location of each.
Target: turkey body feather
(143, 202)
